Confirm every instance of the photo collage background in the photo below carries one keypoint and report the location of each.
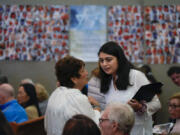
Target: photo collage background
(149, 34)
(33, 33)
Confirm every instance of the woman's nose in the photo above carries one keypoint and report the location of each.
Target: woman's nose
(104, 63)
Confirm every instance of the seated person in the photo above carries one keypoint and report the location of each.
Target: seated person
(42, 96)
(28, 99)
(3, 79)
(174, 74)
(67, 100)
(5, 128)
(174, 111)
(9, 106)
(81, 125)
(117, 119)
(27, 80)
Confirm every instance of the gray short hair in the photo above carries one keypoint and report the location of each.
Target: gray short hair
(123, 114)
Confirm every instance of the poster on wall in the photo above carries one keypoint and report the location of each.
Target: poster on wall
(87, 31)
(162, 34)
(33, 33)
(125, 26)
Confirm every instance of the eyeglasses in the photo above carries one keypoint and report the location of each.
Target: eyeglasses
(173, 106)
(101, 120)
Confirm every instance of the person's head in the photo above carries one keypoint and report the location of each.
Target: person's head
(80, 125)
(71, 72)
(95, 72)
(113, 62)
(174, 106)
(3, 79)
(41, 92)
(146, 69)
(27, 80)
(6, 93)
(111, 58)
(5, 128)
(117, 118)
(174, 74)
(27, 95)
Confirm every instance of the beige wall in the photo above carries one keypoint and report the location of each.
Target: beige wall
(43, 72)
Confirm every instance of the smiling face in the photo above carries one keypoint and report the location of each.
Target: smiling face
(22, 96)
(174, 108)
(82, 80)
(108, 63)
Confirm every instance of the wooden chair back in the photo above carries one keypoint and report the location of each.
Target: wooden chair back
(31, 127)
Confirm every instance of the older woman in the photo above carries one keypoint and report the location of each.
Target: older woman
(174, 111)
(28, 99)
(42, 96)
(67, 100)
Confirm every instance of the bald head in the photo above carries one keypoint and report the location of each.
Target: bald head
(6, 93)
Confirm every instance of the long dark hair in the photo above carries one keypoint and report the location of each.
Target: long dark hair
(124, 66)
(31, 92)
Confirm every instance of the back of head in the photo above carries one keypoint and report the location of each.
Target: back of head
(27, 80)
(173, 69)
(95, 72)
(123, 114)
(3, 79)
(146, 69)
(66, 68)
(80, 125)
(7, 91)
(41, 92)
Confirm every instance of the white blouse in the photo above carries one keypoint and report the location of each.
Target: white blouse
(62, 105)
(143, 123)
(137, 79)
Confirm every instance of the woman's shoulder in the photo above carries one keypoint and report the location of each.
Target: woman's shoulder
(32, 112)
(31, 108)
(94, 81)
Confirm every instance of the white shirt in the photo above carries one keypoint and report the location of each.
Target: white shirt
(62, 105)
(143, 123)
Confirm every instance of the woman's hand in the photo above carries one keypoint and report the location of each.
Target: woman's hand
(94, 103)
(135, 105)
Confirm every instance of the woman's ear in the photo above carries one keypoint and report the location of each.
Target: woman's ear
(74, 80)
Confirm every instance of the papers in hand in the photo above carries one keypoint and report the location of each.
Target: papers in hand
(147, 92)
(162, 128)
